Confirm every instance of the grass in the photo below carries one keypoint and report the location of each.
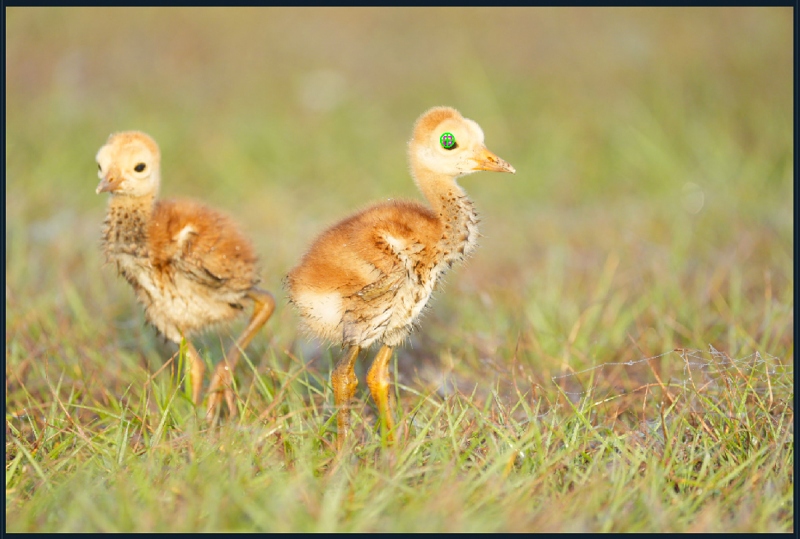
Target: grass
(617, 356)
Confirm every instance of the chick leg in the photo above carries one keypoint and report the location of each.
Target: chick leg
(221, 382)
(344, 382)
(378, 382)
(196, 369)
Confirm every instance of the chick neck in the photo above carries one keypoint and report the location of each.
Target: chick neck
(125, 230)
(455, 211)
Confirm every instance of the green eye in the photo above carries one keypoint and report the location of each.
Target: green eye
(448, 141)
(140, 167)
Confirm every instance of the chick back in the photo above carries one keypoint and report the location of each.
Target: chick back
(190, 265)
(367, 278)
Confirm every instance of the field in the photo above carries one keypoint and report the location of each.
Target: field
(618, 355)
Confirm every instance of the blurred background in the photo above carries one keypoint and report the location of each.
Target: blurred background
(651, 209)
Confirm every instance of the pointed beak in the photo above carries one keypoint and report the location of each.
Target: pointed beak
(109, 183)
(486, 160)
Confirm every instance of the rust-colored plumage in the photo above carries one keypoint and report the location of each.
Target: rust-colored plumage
(190, 265)
(367, 278)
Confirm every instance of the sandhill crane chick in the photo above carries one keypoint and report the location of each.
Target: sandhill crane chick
(367, 278)
(190, 265)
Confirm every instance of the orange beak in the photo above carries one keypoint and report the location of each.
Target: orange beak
(109, 184)
(486, 160)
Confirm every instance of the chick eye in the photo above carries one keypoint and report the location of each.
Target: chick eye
(140, 167)
(99, 167)
(448, 141)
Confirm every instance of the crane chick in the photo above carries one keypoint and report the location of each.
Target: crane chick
(367, 278)
(189, 265)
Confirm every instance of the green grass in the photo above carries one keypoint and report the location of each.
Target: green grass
(617, 356)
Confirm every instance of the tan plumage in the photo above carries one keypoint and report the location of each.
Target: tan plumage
(367, 278)
(190, 265)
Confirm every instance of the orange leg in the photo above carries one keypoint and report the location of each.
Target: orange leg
(378, 382)
(222, 381)
(196, 369)
(344, 382)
